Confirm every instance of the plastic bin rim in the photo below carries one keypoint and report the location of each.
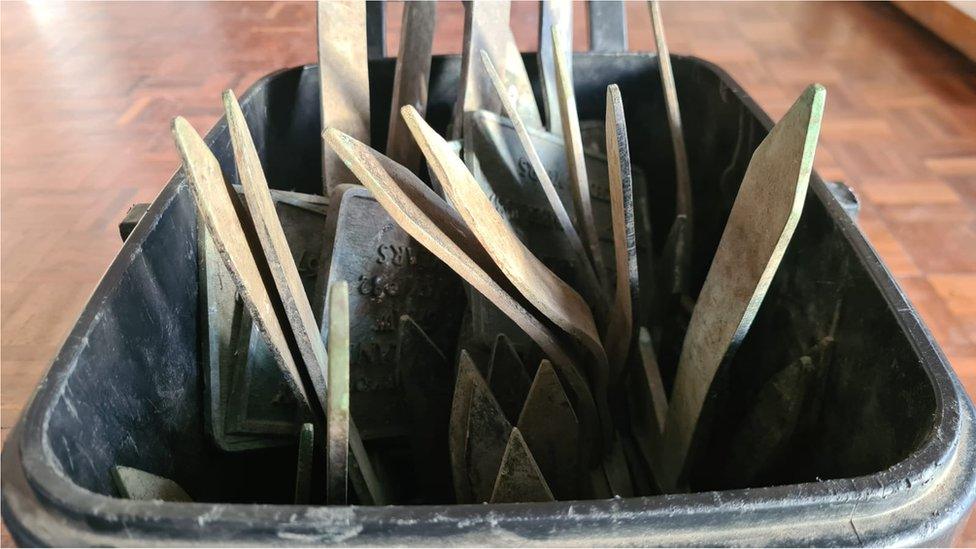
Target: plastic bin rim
(914, 471)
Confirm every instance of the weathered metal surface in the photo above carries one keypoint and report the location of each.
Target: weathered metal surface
(683, 237)
(485, 22)
(783, 411)
(647, 401)
(390, 275)
(487, 436)
(299, 320)
(496, 157)
(235, 377)
(758, 230)
(519, 478)
(551, 431)
(260, 401)
(518, 85)
(507, 378)
(303, 467)
(364, 480)
(585, 273)
(554, 299)
(220, 313)
(376, 29)
(453, 250)
(467, 373)
(553, 14)
(311, 202)
(608, 26)
(574, 154)
(337, 413)
(215, 202)
(620, 326)
(135, 484)
(427, 381)
(411, 79)
(343, 80)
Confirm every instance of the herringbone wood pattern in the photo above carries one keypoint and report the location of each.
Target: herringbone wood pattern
(88, 90)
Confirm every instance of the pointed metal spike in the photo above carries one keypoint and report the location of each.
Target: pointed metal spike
(426, 380)
(574, 154)
(620, 327)
(467, 373)
(759, 228)
(487, 434)
(507, 378)
(519, 478)
(551, 430)
(683, 195)
(135, 484)
(303, 470)
(337, 413)
(217, 205)
(659, 397)
(299, 319)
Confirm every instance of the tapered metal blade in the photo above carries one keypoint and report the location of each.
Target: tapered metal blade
(507, 378)
(519, 478)
(487, 434)
(467, 374)
(759, 229)
(390, 275)
(303, 469)
(551, 430)
(427, 381)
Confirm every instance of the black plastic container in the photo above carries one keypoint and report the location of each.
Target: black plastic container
(891, 458)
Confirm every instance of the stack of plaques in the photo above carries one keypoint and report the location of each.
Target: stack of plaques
(479, 316)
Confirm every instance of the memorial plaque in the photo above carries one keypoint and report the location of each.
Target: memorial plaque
(389, 276)
(237, 375)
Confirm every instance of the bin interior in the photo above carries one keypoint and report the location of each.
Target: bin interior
(135, 395)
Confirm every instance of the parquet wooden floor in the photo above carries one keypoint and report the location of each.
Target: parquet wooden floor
(88, 90)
